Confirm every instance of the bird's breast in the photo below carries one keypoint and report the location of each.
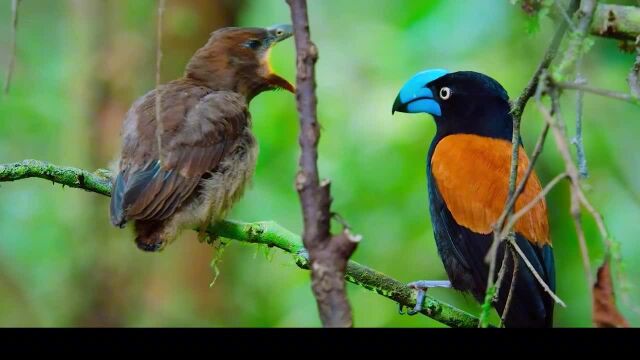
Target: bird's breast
(471, 173)
(226, 184)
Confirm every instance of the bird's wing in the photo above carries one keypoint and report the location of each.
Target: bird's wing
(161, 166)
(469, 178)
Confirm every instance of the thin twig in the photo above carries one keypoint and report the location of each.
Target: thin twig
(576, 214)
(12, 54)
(527, 174)
(602, 228)
(537, 150)
(574, 54)
(571, 169)
(267, 233)
(514, 277)
(574, 177)
(577, 140)
(536, 275)
(564, 14)
(601, 92)
(513, 219)
(501, 275)
(518, 108)
(158, 104)
(577, 45)
(606, 21)
(520, 103)
(516, 111)
(612, 21)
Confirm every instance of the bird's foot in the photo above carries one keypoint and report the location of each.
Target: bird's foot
(206, 237)
(203, 235)
(422, 286)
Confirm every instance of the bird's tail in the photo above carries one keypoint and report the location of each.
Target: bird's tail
(149, 235)
(530, 305)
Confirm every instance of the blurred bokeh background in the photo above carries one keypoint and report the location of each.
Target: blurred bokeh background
(80, 64)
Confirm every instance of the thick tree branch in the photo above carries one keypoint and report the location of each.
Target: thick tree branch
(610, 21)
(328, 254)
(616, 22)
(267, 233)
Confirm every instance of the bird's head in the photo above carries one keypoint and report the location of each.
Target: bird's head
(461, 102)
(237, 59)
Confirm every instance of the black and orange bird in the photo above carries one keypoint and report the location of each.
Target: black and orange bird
(468, 166)
(185, 163)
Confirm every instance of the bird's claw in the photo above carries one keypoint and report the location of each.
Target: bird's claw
(302, 258)
(400, 309)
(422, 286)
(419, 300)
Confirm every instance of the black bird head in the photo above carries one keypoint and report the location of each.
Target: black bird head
(463, 102)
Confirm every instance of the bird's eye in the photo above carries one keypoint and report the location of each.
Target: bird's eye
(445, 93)
(253, 44)
(279, 32)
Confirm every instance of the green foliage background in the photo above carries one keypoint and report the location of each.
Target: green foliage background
(80, 64)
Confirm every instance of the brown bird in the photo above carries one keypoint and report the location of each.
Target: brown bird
(186, 166)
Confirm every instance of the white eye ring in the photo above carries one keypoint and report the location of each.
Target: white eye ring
(445, 93)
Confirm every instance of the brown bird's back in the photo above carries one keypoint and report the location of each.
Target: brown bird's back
(187, 168)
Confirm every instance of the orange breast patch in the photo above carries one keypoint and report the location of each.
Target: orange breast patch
(472, 175)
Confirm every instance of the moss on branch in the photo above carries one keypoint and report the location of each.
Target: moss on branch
(98, 182)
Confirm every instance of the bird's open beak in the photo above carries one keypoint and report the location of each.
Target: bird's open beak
(416, 97)
(277, 33)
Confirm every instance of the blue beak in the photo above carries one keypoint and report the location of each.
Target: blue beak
(416, 97)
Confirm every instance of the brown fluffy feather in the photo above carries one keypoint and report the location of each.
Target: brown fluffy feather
(188, 167)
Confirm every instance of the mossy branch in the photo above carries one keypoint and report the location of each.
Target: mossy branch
(266, 233)
(616, 22)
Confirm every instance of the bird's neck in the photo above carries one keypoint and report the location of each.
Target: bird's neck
(215, 73)
(216, 79)
(490, 120)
